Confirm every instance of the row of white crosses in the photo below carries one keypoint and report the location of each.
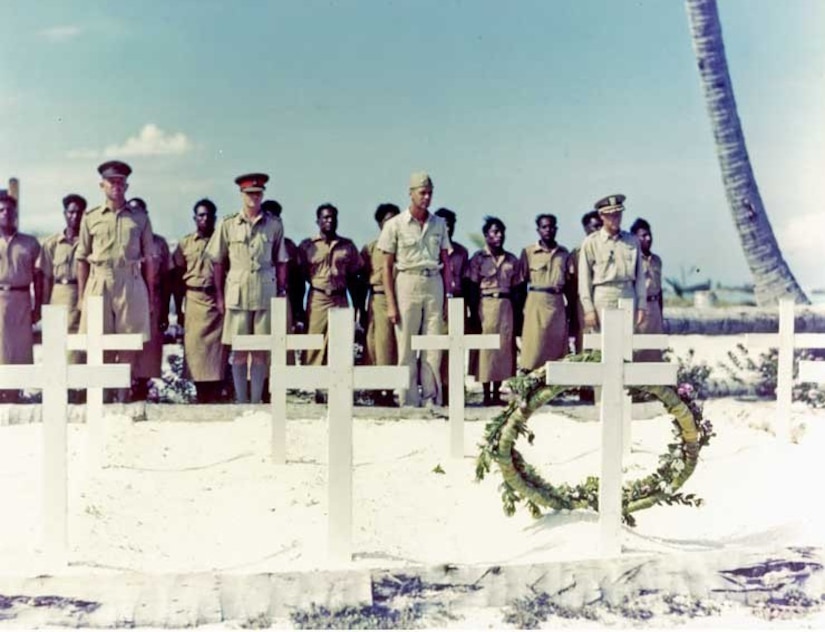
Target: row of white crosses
(340, 377)
(787, 341)
(54, 377)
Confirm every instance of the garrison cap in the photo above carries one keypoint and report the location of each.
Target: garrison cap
(251, 182)
(420, 179)
(610, 204)
(114, 169)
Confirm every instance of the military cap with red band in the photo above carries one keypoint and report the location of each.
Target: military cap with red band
(251, 182)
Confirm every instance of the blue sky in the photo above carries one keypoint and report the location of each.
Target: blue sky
(515, 109)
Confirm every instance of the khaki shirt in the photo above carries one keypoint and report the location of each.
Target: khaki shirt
(459, 259)
(18, 257)
(109, 237)
(372, 260)
(251, 248)
(328, 265)
(652, 267)
(161, 256)
(57, 259)
(543, 268)
(494, 274)
(415, 247)
(190, 257)
(606, 260)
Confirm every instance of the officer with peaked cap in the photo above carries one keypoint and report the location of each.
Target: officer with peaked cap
(610, 266)
(115, 260)
(249, 267)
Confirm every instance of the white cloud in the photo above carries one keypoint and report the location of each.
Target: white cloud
(150, 141)
(60, 33)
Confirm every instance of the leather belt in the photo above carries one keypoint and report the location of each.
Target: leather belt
(654, 297)
(14, 288)
(206, 290)
(66, 281)
(329, 292)
(427, 272)
(496, 295)
(546, 290)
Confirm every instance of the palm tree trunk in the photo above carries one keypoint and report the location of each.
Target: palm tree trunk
(771, 275)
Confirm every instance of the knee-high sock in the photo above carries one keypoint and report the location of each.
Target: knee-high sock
(239, 379)
(258, 374)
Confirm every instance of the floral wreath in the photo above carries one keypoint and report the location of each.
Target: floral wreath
(523, 484)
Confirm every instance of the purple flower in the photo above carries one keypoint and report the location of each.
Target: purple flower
(685, 390)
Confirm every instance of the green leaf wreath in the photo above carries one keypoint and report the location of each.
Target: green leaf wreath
(523, 484)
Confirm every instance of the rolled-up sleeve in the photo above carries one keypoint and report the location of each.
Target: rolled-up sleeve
(388, 241)
(216, 248)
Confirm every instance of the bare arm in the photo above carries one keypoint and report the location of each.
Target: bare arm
(446, 272)
(38, 295)
(389, 288)
(82, 277)
(218, 277)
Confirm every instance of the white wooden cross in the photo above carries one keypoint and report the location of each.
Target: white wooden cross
(632, 342)
(613, 374)
(787, 341)
(278, 343)
(340, 377)
(54, 377)
(457, 343)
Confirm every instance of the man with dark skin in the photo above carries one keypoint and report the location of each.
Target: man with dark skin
(18, 258)
(652, 266)
(330, 265)
(203, 352)
(544, 267)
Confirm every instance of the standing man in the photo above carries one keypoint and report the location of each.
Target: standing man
(150, 361)
(59, 270)
(417, 247)
(544, 267)
(18, 272)
(251, 244)
(591, 222)
(203, 351)
(459, 259)
(654, 322)
(610, 266)
(115, 260)
(295, 284)
(496, 275)
(330, 265)
(381, 346)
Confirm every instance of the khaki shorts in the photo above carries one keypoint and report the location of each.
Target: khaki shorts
(245, 322)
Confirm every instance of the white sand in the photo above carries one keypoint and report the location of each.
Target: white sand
(202, 496)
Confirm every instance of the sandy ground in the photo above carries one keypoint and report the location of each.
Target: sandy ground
(195, 496)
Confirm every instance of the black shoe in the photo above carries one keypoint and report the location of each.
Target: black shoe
(320, 397)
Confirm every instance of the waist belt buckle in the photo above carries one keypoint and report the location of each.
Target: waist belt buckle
(5, 288)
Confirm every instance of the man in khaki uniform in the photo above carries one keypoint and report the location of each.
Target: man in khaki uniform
(251, 244)
(654, 322)
(58, 268)
(381, 348)
(459, 259)
(203, 352)
(115, 260)
(610, 266)
(150, 361)
(544, 267)
(496, 275)
(330, 265)
(18, 272)
(417, 248)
